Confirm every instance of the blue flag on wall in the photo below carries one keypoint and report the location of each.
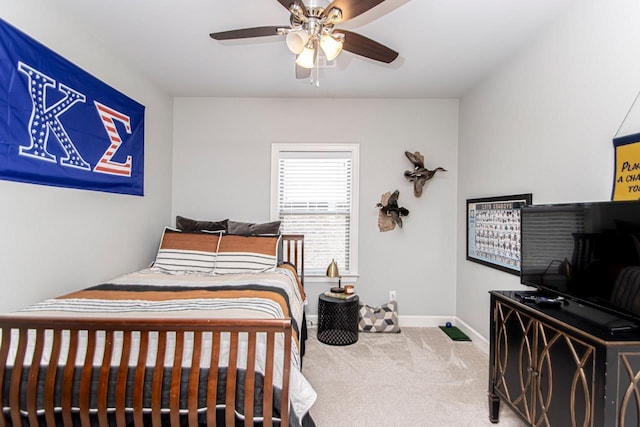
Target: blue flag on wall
(61, 126)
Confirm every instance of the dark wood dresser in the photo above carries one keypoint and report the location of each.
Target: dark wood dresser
(562, 364)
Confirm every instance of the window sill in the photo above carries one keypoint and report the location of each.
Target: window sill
(346, 279)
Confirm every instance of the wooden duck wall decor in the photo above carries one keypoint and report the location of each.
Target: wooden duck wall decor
(419, 175)
(390, 212)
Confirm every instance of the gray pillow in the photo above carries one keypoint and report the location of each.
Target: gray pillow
(252, 229)
(191, 225)
(378, 319)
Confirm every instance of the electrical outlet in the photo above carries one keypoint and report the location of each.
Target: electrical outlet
(392, 295)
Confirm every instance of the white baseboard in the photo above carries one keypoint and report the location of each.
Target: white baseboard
(478, 340)
(409, 321)
(312, 320)
(423, 321)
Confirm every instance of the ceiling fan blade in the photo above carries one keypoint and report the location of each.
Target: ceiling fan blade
(302, 73)
(246, 33)
(351, 8)
(287, 4)
(363, 46)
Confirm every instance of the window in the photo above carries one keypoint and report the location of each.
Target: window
(315, 193)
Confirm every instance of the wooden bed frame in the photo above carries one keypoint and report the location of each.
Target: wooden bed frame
(143, 329)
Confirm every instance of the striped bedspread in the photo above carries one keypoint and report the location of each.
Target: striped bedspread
(156, 293)
(153, 292)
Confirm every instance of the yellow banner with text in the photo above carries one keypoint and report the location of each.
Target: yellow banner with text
(626, 180)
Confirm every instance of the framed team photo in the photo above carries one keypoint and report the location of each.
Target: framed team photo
(493, 231)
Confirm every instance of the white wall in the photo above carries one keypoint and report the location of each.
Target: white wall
(543, 124)
(58, 240)
(221, 170)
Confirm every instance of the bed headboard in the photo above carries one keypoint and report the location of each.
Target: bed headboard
(293, 252)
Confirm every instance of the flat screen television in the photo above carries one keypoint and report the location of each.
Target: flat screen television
(586, 252)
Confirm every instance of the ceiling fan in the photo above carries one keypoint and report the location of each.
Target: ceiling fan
(312, 30)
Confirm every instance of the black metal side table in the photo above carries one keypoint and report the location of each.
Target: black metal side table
(337, 320)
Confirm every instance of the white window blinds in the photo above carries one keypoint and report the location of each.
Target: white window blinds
(315, 193)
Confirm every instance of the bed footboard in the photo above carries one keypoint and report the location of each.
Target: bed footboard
(122, 387)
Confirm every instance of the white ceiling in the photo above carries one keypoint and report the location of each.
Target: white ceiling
(445, 46)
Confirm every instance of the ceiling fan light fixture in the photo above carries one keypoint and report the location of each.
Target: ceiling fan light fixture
(296, 41)
(307, 57)
(331, 46)
(311, 33)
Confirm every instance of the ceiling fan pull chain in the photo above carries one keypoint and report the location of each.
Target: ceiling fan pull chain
(317, 71)
(313, 78)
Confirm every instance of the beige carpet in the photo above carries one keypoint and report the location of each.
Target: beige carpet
(419, 377)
